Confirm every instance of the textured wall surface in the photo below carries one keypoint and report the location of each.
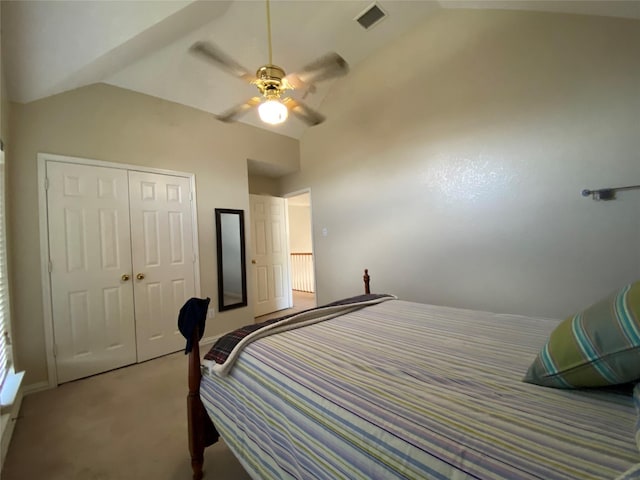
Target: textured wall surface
(452, 162)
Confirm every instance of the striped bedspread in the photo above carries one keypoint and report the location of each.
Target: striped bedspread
(228, 347)
(406, 390)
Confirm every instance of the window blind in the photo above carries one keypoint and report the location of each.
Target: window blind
(5, 324)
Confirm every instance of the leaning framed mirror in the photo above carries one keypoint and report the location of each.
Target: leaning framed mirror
(230, 248)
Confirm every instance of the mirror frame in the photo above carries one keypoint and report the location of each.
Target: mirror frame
(218, 214)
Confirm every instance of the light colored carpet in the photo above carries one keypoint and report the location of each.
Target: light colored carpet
(124, 424)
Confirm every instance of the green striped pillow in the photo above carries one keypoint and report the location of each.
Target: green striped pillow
(596, 347)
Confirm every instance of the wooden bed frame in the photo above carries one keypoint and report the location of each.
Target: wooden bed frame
(202, 432)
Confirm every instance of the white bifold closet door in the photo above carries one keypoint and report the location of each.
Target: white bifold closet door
(163, 259)
(121, 265)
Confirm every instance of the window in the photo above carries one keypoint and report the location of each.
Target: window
(5, 323)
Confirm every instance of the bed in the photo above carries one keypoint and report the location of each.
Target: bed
(397, 389)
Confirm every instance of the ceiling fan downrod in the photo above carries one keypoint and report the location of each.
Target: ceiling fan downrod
(269, 33)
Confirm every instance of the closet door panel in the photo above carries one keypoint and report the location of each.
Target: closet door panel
(163, 259)
(90, 251)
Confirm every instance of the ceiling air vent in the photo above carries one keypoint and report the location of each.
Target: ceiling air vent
(372, 15)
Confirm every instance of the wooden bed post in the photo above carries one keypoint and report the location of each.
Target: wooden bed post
(366, 279)
(202, 432)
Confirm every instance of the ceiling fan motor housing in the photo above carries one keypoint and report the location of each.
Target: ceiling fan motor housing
(269, 80)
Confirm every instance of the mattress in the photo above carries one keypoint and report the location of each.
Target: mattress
(414, 391)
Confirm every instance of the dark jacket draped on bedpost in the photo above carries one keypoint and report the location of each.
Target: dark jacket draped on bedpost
(193, 314)
(202, 432)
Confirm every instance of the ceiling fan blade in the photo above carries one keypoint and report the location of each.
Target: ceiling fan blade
(303, 112)
(328, 66)
(210, 52)
(236, 112)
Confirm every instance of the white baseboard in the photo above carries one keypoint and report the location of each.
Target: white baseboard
(36, 387)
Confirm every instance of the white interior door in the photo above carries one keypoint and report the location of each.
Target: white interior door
(90, 254)
(270, 262)
(163, 259)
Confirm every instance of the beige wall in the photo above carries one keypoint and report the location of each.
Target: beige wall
(4, 116)
(108, 123)
(4, 107)
(260, 185)
(300, 229)
(452, 162)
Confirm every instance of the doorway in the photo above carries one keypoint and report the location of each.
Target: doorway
(300, 267)
(300, 235)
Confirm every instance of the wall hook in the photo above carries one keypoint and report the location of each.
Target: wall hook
(607, 193)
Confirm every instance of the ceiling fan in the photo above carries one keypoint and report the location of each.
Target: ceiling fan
(272, 81)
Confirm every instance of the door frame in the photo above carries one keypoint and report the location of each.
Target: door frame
(52, 373)
(313, 246)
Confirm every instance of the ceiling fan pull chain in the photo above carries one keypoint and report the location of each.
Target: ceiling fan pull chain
(269, 32)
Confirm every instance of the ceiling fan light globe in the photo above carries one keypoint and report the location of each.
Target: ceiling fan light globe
(273, 112)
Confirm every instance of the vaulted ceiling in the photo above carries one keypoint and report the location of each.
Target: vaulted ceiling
(53, 46)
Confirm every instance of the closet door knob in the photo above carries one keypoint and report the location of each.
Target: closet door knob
(140, 276)
(125, 277)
